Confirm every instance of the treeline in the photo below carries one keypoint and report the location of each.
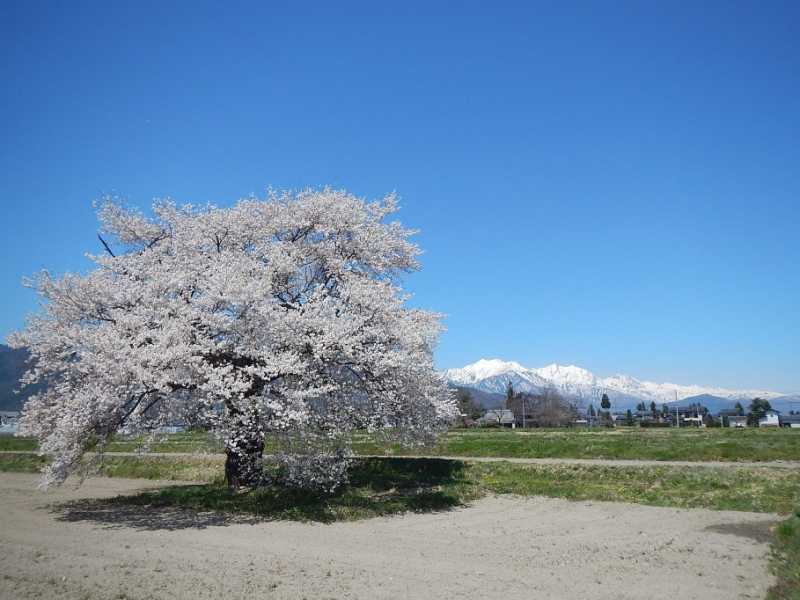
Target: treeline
(544, 409)
(549, 408)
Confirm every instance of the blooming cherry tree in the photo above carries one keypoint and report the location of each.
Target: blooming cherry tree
(278, 320)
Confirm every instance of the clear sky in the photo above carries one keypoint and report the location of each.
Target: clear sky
(609, 184)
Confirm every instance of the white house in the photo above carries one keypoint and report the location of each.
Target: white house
(9, 421)
(737, 421)
(772, 418)
(500, 416)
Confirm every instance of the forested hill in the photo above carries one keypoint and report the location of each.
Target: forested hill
(12, 366)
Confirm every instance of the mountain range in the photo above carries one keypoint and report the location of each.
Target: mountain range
(12, 367)
(488, 380)
(492, 376)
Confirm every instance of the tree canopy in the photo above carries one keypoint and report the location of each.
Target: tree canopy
(280, 317)
(758, 410)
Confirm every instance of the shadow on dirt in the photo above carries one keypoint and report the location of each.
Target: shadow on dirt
(758, 531)
(377, 487)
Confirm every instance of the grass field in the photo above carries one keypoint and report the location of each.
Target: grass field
(621, 443)
(176, 442)
(717, 444)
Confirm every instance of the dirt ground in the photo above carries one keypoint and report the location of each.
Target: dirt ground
(502, 547)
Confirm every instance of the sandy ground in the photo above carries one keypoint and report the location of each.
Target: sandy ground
(503, 547)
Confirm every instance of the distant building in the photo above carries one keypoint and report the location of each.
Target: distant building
(772, 418)
(737, 421)
(790, 420)
(171, 429)
(500, 416)
(618, 419)
(7, 417)
(9, 421)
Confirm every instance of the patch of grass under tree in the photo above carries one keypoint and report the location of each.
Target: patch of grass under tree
(376, 488)
(390, 485)
(786, 560)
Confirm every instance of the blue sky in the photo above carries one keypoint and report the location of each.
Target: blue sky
(613, 185)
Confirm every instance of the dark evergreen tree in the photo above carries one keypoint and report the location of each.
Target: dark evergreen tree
(629, 418)
(758, 409)
(467, 405)
(605, 415)
(510, 396)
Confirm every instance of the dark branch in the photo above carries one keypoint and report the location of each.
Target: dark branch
(100, 237)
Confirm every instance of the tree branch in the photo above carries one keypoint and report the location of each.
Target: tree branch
(100, 237)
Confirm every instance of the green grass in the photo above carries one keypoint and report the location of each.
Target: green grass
(21, 463)
(10, 442)
(199, 468)
(190, 441)
(720, 444)
(381, 486)
(785, 560)
(744, 489)
(376, 488)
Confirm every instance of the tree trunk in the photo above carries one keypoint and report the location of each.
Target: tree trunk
(244, 463)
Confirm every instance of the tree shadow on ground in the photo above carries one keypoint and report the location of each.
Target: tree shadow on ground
(377, 487)
(758, 531)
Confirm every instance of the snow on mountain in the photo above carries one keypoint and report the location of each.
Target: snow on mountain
(493, 375)
(484, 369)
(569, 379)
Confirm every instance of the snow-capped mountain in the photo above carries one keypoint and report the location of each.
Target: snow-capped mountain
(493, 375)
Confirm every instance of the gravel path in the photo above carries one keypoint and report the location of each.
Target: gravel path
(774, 464)
(501, 547)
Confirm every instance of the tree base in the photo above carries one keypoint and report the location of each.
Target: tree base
(244, 468)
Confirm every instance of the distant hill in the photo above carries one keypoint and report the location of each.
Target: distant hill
(486, 399)
(786, 404)
(12, 367)
(714, 404)
(624, 391)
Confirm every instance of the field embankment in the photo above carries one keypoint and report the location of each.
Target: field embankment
(687, 444)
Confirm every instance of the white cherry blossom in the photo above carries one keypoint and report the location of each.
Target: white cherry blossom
(279, 318)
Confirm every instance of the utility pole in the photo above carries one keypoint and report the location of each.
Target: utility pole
(677, 416)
